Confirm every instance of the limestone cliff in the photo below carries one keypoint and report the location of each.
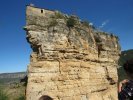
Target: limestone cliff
(69, 61)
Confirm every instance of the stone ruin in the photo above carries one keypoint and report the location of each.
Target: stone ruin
(69, 62)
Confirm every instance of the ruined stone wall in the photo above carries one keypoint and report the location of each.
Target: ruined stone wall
(69, 63)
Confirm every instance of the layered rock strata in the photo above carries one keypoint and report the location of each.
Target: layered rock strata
(70, 61)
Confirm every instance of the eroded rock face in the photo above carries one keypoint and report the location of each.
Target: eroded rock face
(69, 63)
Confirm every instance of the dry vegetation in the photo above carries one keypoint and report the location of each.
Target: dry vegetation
(12, 92)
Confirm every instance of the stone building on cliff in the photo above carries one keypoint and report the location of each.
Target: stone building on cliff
(70, 61)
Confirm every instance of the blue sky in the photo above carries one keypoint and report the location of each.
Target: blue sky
(114, 16)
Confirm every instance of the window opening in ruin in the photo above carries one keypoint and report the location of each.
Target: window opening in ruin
(41, 10)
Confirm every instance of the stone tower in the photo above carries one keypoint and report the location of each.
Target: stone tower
(70, 61)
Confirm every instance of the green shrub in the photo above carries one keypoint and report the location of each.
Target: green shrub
(112, 35)
(58, 15)
(121, 74)
(117, 38)
(86, 23)
(3, 95)
(71, 22)
(52, 23)
(21, 97)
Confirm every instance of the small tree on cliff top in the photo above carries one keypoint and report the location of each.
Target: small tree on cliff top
(71, 22)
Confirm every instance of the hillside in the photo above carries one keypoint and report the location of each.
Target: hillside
(10, 86)
(6, 78)
(125, 55)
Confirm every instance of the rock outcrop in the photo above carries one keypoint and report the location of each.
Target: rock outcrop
(70, 61)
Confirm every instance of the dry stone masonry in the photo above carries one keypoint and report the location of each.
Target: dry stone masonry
(70, 60)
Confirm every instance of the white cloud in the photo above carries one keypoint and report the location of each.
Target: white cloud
(103, 24)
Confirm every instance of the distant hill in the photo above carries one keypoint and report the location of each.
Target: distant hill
(125, 55)
(6, 78)
(10, 86)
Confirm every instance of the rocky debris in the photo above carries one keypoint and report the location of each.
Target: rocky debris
(69, 61)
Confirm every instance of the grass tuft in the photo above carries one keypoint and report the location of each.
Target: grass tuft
(3, 95)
